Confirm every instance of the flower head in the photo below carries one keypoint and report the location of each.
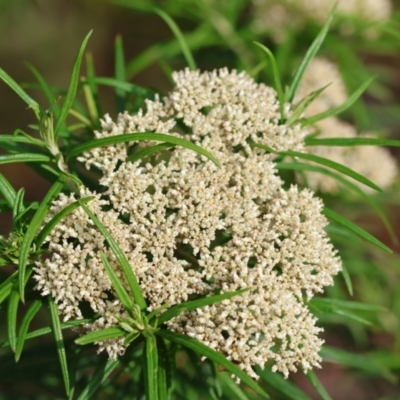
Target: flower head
(189, 228)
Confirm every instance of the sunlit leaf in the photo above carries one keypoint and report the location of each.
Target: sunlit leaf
(7, 190)
(23, 157)
(150, 363)
(355, 228)
(142, 136)
(103, 334)
(357, 141)
(69, 99)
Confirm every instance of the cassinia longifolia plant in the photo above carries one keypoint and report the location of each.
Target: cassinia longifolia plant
(184, 235)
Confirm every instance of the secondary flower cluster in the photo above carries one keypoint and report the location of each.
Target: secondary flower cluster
(275, 15)
(374, 163)
(190, 228)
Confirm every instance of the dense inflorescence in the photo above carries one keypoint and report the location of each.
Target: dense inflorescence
(375, 163)
(190, 228)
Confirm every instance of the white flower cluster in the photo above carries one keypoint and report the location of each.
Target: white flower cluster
(275, 15)
(374, 163)
(189, 228)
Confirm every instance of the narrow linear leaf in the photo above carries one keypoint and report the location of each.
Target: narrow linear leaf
(20, 92)
(150, 362)
(117, 284)
(332, 164)
(143, 136)
(351, 305)
(192, 305)
(357, 141)
(124, 86)
(21, 139)
(359, 361)
(355, 228)
(120, 72)
(12, 312)
(352, 316)
(47, 90)
(91, 106)
(234, 391)
(33, 227)
(69, 99)
(163, 376)
(369, 199)
(58, 337)
(276, 76)
(23, 330)
(318, 385)
(347, 279)
(101, 374)
(7, 285)
(23, 157)
(284, 386)
(337, 110)
(7, 190)
(46, 330)
(91, 81)
(19, 203)
(218, 358)
(148, 151)
(98, 336)
(57, 218)
(178, 34)
(121, 258)
(311, 52)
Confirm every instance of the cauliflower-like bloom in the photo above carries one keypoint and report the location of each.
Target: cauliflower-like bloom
(190, 228)
(375, 163)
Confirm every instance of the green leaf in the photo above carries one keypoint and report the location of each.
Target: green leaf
(192, 305)
(347, 279)
(91, 81)
(148, 151)
(121, 258)
(21, 139)
(337, 110)
(58, 337)
(331, 164)
(32, 229)
(7, 190)
(132, 137)
(355, 228)
(103, 334)
(277, 79)
(12, 311)
(308, 167)
(57, 218)
(351, 305)
(206, 351)
(124, 86)
(69, 99)
(311, 52)
(178, 34)
(163, 375)
(359, 361)
(232, 389)
(23, 157)
(357, 141)
(150, 363)
(303, 104)
(23, 330)
(20, 92)
(45, 87)
(101, 374)
(117, 284)
(120, 73)
(6, 286)
(19, 203)
(278, 382)
(318, 385)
